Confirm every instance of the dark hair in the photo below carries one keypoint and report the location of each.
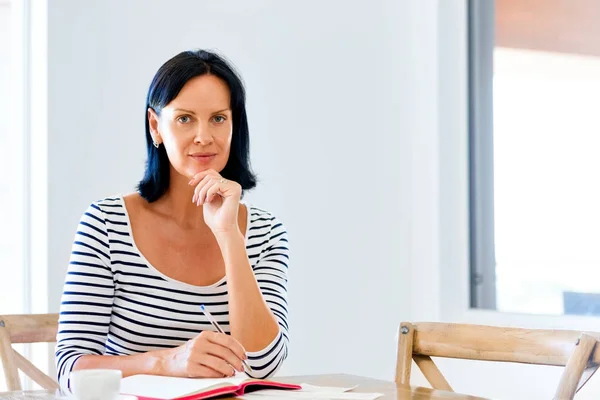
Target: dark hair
(166, 85)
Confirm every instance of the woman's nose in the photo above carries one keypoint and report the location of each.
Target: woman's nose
(203, 136)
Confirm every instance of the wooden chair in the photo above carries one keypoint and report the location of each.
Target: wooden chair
(574, 350)
(32, 328)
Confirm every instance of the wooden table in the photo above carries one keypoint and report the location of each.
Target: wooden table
(369, 385)
(365, 385)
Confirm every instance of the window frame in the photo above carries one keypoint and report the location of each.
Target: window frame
(29, 112)
(481, 26)
(453, 234)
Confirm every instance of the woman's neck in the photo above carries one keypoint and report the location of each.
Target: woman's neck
(177, 204)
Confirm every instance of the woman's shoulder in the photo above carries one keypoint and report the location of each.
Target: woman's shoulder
(261, 220)
(259, 215)
(101, 217)
(106, 206)
(108, 202)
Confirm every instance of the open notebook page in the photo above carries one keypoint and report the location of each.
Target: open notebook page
(167, 387)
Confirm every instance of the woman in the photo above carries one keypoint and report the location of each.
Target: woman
(143, 264)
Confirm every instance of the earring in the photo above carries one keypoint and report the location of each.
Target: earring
(155, 144)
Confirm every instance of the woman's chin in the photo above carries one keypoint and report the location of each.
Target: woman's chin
(201, 168)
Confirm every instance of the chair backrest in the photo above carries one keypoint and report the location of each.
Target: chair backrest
(26, 328)
(421, 341)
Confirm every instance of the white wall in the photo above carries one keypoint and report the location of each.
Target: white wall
(349, 106)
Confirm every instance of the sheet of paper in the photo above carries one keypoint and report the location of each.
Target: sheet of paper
(312, 388)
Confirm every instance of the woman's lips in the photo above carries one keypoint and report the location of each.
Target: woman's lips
(203, 158)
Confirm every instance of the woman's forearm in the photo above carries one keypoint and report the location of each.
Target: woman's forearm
(150, 363)
(251, 321)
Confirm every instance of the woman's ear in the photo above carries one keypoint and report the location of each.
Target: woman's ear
(153, 123)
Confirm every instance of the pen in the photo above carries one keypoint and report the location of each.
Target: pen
(218, 328)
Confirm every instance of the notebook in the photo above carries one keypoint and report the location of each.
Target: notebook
(154, 387)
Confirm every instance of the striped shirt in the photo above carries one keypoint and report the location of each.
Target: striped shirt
(116, 303)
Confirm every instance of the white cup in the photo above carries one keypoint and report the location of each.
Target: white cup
(96, 384)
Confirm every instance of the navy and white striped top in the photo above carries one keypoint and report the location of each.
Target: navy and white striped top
(116, 303)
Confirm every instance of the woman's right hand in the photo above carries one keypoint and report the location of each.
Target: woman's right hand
(208, 355)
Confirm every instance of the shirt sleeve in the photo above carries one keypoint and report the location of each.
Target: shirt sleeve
(271, 274)
(87, 298)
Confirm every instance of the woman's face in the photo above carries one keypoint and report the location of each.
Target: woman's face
(196, 126)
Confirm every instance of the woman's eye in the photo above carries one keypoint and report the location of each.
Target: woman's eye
(184, 119)
(219, 119)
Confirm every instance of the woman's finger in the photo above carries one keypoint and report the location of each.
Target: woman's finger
(215, 363)
(200, 175)
(221, 352)
(199, 187)
(215, 189)
(201, 196)
(229, 342)
(199, 178)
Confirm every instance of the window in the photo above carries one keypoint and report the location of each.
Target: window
(11, 190)
(11, 165)
(534, 77)
(23, 64)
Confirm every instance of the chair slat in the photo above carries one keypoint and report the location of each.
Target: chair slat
(490, 343)
(576, 365)
(432, 373)
(25, 328)
(32, 328)
(577, 351)
(11, 373)
(34, 373)
(404, 360)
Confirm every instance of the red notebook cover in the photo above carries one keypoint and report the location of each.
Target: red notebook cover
(218, 390)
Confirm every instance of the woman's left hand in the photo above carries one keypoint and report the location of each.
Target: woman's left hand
(220, 199)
